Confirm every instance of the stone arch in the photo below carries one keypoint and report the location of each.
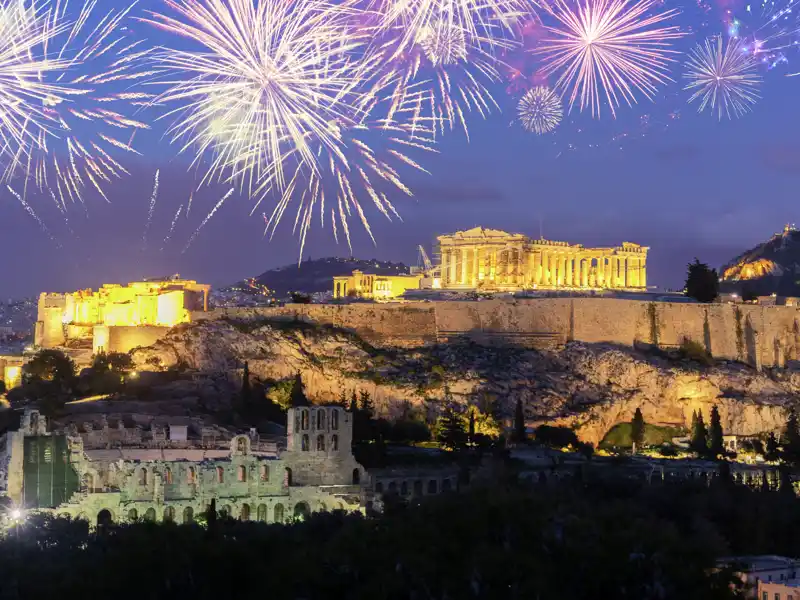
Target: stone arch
(82, 516)
(241, 472)
(404, 488)
(392, 487)
(278, 513)
(169, 514)
(150, 514)
(133, 514)
(264, 472)
(304, 419)
(143, 477)
(244, 514)
(322, 506)
(335, 419)
(321, 418)
(334, 442)
(241, 444)
(104, 518)
(287, 477)
(432, 486)
(339, 506)
(191, 475)
(446, 485)
(167, 475)
(220, 475)
(356, 477)
(418, 488)
(261, 513)
(225, 511)
(301, 510)
(188, 515)
(320, 443)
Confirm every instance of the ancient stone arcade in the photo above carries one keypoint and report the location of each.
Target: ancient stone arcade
(249, 480)
(496, 260)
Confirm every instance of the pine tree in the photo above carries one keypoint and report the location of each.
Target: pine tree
(520, 434)
(771, 447)
(715, 441)
(637, 429)
(451, 433)
(353, 403)
(366, 405)
(699, 443)
(471, 429)
(246, 395)
(791, 446)
(298, 395)
(702, 282)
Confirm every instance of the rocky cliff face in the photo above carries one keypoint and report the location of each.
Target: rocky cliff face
(590, 387)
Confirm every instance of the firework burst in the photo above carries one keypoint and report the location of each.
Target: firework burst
(540, 110)
(613, 48)
(44, 97)
(723, 77)
(280, 96)
(443, 43)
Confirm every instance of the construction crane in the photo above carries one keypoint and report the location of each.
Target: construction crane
(427, 265)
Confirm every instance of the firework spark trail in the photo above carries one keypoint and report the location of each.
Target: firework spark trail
(725, 80)
(613, 46)
(32, 213)
(303, 131)
(172, 227)
(189, 205)
(150, 211)
(207, 219)
(40, 49)
(540, 110)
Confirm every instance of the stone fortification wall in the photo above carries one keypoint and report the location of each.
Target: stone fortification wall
(758, 335)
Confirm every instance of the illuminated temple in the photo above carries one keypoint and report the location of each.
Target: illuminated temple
(116, 318)
(495, 260)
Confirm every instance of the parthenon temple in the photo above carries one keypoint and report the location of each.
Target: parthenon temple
(495, 260)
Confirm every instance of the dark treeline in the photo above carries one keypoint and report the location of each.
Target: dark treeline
(618, 539)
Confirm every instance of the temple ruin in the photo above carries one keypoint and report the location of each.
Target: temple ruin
(496, 260)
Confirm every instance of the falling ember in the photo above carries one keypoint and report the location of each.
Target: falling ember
(150, 211)
(172, 227)
(33, 214)
(207, 219)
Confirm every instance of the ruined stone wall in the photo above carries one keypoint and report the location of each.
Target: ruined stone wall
(124, 339)
(758, 335)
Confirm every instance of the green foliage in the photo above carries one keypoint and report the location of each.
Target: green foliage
(115, 362)
(450, 429)
(702, 282)
(699, 438)
(620, 436)
(49, 365)
(691, 350)
(280, 392)
(716, 444)
(637, 428)
(791, 445)
(623, 538)
(555, 437)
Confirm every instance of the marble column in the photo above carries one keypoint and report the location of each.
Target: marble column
(453, 263)
(537, 268)
(570, 270)
(643, 281)
(585, 272)
(464, 254)
(474, 272)
(576, 277)
(443, 269)
(609, 278)
(545, 268)
(601, 271)
(553, 269)
(562, 270)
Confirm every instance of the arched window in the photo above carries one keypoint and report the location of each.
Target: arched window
(392, 487)
(334, 419)
(244, 515)
(242, 473)
(104, 518)
(142, 476)
(356, 476)
(404, 488)
(261, 513)
(304, 420)
(432, 486)
(379, 487)
(418, 488)
(446, 485)
(241, 444)
(188, 515)
(220, 475)
(264, 473)
(169, 515)
(320, 443)
(278, 512)
(167, 475)
(321, 418)
(301, 510)
(133, 514)
(150, 515)
(225, 511)
(334, 442)
(287, 477)
(191, 475)
(304, 442)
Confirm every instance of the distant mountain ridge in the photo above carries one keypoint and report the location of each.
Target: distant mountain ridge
(772, 267)
(314, 276)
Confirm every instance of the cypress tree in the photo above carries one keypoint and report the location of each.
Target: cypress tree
(791, 447)
(471, 430)
(246, 395)
(637, 429)
(451, 429)
(298, 395)
(771, 447)
(353, 403)
(520, 434)
(765, 482)
(699, 443)
(715, 441)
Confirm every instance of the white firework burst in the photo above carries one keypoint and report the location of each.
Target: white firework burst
(443, 43)
(723, 77)
(540, 110)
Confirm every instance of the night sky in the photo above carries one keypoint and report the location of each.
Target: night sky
(695, 187)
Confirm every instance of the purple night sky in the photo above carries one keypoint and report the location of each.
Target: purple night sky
(697, 188)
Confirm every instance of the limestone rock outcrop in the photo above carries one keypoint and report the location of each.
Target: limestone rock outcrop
(589, 387)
